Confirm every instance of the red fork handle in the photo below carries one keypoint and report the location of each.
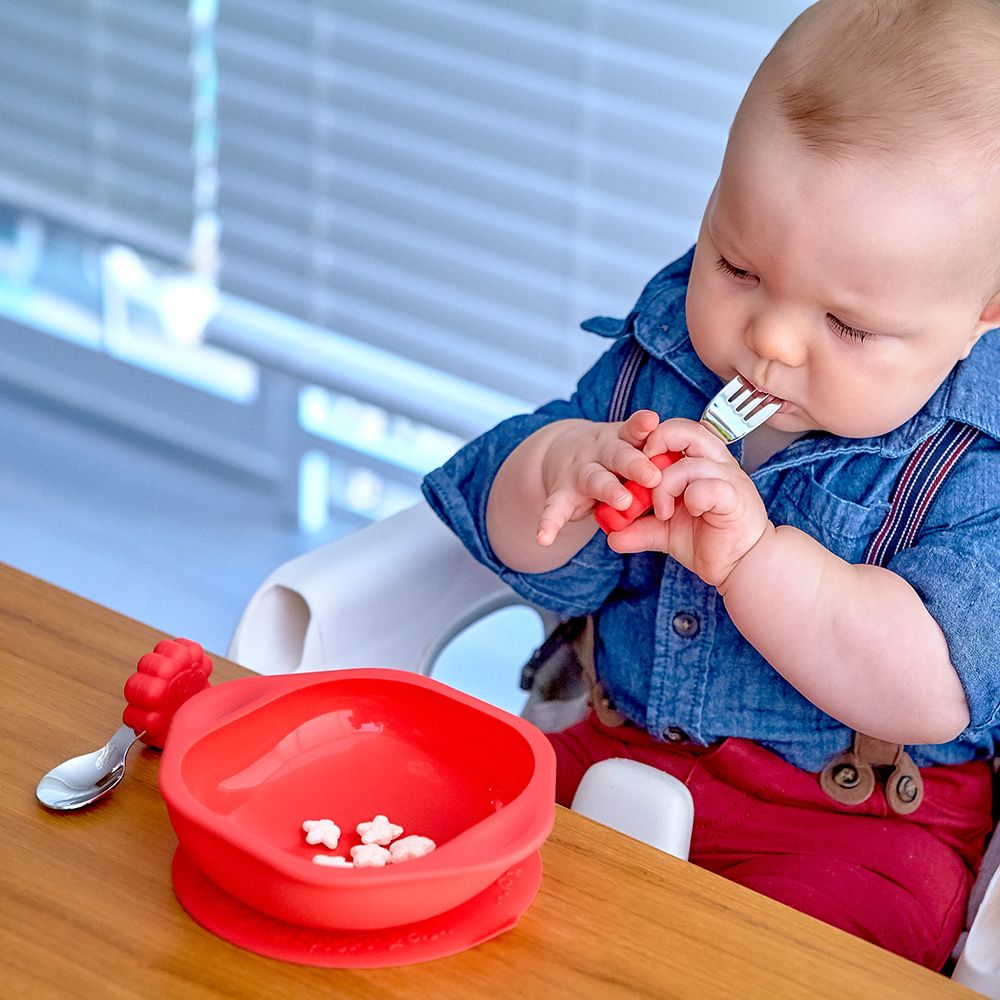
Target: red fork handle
(612, 519)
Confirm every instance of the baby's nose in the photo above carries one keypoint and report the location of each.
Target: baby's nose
(773, 337)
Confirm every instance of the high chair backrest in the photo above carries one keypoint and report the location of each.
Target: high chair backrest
(392, 594)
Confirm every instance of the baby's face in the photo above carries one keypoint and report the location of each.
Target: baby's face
(850, 290)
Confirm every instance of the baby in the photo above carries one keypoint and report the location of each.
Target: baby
(849, 263)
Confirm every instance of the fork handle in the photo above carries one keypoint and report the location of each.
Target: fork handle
(612, 519)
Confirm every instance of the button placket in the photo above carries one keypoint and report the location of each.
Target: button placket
(685, 624)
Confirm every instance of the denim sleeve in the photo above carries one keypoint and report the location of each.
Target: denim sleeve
(458, 492)
(953, 569)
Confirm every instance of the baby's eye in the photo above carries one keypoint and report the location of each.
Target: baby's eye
(848, 332)
(733, 271)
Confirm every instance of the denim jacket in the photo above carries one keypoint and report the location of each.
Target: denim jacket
(665, 648)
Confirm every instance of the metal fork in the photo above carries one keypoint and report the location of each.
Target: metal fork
(733, 412)
(738, 408)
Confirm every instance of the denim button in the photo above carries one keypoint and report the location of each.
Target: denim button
(674, 734)
(685, 624)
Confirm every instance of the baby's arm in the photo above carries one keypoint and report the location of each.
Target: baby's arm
(539, 507)
(856, 640)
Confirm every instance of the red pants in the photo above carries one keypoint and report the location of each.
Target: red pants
(899, 882)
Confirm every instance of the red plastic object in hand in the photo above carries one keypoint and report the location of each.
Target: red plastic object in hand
(164, 679)
(612, 519)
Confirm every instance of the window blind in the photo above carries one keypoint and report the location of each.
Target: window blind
(98, 118)
(463, 181)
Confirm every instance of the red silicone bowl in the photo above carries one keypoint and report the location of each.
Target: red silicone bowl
(246, 762)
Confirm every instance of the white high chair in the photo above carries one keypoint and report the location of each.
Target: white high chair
(395, 593)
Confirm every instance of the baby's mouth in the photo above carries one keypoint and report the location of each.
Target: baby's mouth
(763, 390)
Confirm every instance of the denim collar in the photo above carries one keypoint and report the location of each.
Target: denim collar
(969, 394)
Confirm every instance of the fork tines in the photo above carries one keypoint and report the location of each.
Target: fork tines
(750, 394)
(738, 408)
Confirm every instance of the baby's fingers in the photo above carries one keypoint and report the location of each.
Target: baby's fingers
(558, 509)
(715, 495)
(629, 463)
(704, 485)
(638, 427)
(596, 482)
(644, 534)
(562, 505)
(688, 436)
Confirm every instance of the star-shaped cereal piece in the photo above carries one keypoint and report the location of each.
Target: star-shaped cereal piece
(379, 831)
(332, 861)
(370, 856)
(322, 831)
(411, 847)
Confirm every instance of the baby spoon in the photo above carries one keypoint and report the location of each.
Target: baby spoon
(164, 679)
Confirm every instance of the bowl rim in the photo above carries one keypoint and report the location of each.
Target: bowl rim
(246, 695)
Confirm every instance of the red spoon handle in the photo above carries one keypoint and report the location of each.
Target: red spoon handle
(164, 679)
(612, 519)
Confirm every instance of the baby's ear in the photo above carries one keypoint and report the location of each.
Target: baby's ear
(989, 319)
(991, 312)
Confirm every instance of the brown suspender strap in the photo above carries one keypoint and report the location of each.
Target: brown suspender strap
(602, 705)
(850, 777)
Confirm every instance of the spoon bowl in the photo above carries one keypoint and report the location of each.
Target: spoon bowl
(82, 780)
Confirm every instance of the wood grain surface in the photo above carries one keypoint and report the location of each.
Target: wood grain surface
(88, 910)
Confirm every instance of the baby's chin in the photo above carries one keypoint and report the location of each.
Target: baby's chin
(797, 421)
(790, 419)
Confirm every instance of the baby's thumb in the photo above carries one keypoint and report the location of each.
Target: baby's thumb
(639, 426)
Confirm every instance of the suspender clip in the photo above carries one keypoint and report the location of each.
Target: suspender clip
(850, 777)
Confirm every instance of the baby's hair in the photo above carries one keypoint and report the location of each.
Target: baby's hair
(891, 76)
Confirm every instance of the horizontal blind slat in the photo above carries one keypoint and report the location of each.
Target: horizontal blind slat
(462, 181)
(99, 99)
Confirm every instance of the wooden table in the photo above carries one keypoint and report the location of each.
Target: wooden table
(87, 908)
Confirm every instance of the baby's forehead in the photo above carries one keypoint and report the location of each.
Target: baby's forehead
(889, 74)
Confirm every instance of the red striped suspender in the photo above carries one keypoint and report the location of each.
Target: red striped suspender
(918, 484)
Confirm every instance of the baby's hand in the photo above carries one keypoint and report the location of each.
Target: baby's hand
(586, 464)
(707, 514)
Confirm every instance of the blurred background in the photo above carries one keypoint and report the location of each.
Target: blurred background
(263, 265)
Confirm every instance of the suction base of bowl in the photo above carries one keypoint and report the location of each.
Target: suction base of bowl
(491, 913)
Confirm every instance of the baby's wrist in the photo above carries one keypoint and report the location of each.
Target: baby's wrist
(758, 553)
